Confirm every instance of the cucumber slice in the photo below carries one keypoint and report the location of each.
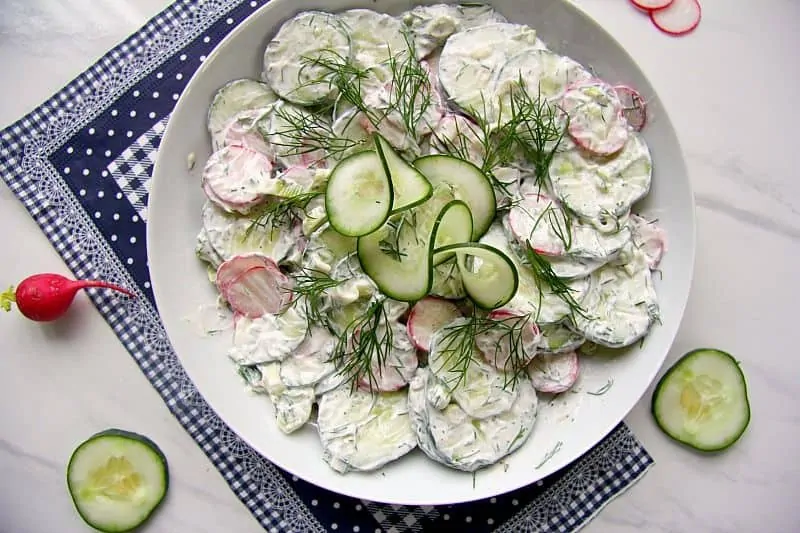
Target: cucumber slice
(359, 195)
(702, 401)
(489, 276)
(453, 226)
(236, 97)
(409, 186)
(469, 184)
(291, 66)
(399, 257)
(117, 479)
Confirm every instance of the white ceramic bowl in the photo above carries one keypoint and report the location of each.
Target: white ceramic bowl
(579, 421)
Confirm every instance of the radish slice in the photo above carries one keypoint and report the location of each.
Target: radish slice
(554, 373)
(634, 108)
(596, 122)
(398, 367)
(538, 219)
(236, 178)
(681, 17)
(428, 316)
(242, 131)
(650, 239)
(495, 346)
(650, 5)
(253, 285)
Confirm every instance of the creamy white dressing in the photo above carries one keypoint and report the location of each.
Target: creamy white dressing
(450, 436)
(620, 306)
(311, 34)
(602, 189)
(267, 338)
(472, 58)
(225, 235)
(476, 57)
(362, 431)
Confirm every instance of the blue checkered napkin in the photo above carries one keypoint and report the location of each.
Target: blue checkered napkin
(81, 165)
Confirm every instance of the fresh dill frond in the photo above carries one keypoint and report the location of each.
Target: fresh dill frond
(348, 78)
(410, 93)
(536, 129)
(281, 211)
(310, 286)
(602, 390)
(549, 455)
(559, 220)
(391, 245)
(457, 346)
(363, 345)
(307, 132)
(544, 275)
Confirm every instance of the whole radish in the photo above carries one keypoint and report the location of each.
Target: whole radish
(46, 297)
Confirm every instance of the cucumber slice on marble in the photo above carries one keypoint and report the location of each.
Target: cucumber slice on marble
(117, 479)
(702, 400)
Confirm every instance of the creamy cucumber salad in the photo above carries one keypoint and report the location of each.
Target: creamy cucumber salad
(417, 221)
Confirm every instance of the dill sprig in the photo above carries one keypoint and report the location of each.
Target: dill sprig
(410, 92)
(602, 390)
(537, 130)
(549, 455)
(457, 346)
(544, 274)
(310, 286)
(281, 211)
(364, 344)
(307, 132)
(344, 75)
(560, 221)
(391, 245)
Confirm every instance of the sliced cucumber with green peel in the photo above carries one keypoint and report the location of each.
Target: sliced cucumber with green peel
(399, 257)
(702, 400)
(469, 184)
(117, 479)
(453, 226)
(359, 195)
(489, 276)
(409, 186)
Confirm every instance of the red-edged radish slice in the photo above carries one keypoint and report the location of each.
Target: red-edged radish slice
(650, 5)
(253, 285)
(634, 108)
(236, 178)
(679, 18)
(242, 131)
(538, 219)
(650, 239)
(397, 369)
(495, 346)
(596, 122)
(428, 316)
(554, 373)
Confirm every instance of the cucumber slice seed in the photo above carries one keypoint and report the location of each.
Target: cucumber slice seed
(702, 400)
(117, 479)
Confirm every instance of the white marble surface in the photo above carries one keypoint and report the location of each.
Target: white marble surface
(729, 88)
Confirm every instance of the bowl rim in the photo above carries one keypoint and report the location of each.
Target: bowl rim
(577, 10)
